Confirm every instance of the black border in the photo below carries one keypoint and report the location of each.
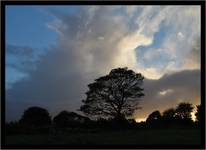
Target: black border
(3, 6)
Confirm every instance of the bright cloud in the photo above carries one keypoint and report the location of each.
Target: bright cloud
(177, 44)
(165, 92)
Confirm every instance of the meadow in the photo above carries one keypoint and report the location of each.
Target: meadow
(111, 137)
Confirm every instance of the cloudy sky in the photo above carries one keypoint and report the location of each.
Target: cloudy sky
(54, 52)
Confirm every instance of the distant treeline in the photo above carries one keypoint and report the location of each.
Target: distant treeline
(36, 120)
(110, 100)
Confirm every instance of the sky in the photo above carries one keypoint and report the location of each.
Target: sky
(54, 52)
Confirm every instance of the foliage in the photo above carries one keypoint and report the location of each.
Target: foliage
(115, 95)
(35, 117)
(173, 117)
(183, 111)
(69, 119)
(168, 118)
(153, 119)
(198, 113)
(169, 114)
(154, 116)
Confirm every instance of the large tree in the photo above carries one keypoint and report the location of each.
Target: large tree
(115, 95)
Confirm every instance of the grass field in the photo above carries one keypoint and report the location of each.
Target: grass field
(127, 137)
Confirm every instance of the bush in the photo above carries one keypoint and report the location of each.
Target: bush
(35, 117)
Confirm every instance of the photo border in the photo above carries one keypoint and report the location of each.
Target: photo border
(3, 91)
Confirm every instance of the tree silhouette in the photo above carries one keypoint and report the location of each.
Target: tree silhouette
(115, 95)
(169, 114)
(198, 113)
(36, 117)
(168, 117)
(183, 111)
(62, 119)
(68, 119)
(154, 116)
(153, 120)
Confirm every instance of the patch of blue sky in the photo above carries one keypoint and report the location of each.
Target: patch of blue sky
(130, 18)
(26, 26)
(133, 23)
(15, 71)
(72, 9)
(18, 67)
(12, 76)
(158, 59)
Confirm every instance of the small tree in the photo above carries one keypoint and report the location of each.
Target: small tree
(115, 95)
(169, 114)
(168, 117)
(63, 120)
(36, 117)
(154, 119)
(154, 116)
(69, 119)
(183, 111)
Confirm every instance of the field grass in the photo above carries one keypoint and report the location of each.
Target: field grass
(123, 137)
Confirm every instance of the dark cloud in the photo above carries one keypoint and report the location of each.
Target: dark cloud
(54, 85)
(168, 91)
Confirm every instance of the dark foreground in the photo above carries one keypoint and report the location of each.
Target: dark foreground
(109, 137)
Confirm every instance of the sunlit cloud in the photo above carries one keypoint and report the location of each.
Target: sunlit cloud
(164, 92)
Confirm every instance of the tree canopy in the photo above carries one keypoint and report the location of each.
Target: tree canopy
(68, 119)
(36, 116)
(154, 116)
(168, 114)
(183, 111)
(115, 95)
